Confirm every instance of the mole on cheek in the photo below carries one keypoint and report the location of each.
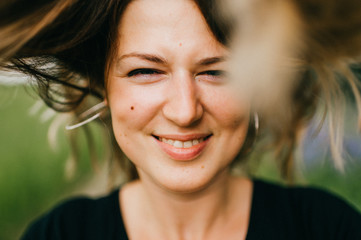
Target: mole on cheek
(131, 108)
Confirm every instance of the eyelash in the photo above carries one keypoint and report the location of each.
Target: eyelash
(212, 76)
(143, 71)
(215, 73)
(148, 71)
(150, 75)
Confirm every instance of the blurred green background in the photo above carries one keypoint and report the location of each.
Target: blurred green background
(32, 176)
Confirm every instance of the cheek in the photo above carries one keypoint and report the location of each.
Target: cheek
(132, 108)
(229, 108)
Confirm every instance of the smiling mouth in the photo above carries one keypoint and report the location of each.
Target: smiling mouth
(183, 148)
(182, 144)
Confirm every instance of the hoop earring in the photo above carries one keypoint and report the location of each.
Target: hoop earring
(88, 116)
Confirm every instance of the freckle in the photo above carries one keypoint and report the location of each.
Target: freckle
(202, 166)
(131, 108)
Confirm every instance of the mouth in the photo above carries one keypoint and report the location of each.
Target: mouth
(183, 148)
(177, 143)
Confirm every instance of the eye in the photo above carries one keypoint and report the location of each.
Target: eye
(212, 76)
(214, 73)
(145, 75)
(143, 71)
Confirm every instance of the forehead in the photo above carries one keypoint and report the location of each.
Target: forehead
(160, 21)
(157, 10)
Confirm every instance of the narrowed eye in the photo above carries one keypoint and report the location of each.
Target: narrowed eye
(145, 75)
(214, 73)
(143, 71)
(212, 76)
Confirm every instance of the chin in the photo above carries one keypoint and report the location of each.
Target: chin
(185, 187)
(187, 180)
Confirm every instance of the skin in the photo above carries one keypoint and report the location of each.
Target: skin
(165, 82)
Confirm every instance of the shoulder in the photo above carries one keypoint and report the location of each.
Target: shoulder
(307, 211)
(297, 194)
(309, 198)
(78, 218)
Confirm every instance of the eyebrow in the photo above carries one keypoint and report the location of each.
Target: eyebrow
(144, 56)
(158, 59)
(211, 60)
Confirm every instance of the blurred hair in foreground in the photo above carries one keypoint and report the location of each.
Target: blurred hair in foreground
(292, 57)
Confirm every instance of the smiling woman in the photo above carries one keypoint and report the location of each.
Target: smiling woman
(177, 98)
(162, 69)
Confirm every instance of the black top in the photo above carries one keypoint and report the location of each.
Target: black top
(277, 213)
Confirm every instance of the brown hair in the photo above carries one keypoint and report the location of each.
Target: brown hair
(331, 54)
(321, 40)
(68, 46)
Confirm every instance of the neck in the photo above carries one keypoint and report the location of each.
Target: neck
(192, 215)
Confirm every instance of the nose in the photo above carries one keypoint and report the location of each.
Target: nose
(183, 105)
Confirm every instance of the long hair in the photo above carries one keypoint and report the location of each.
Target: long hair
(67, 46)
(301, 53)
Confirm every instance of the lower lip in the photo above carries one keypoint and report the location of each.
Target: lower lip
(183, 154)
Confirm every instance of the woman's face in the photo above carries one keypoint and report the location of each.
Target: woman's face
(174, 114)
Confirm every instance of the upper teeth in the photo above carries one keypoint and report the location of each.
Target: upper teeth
(182, 144)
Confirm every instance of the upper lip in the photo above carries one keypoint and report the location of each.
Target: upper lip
(183, 137)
